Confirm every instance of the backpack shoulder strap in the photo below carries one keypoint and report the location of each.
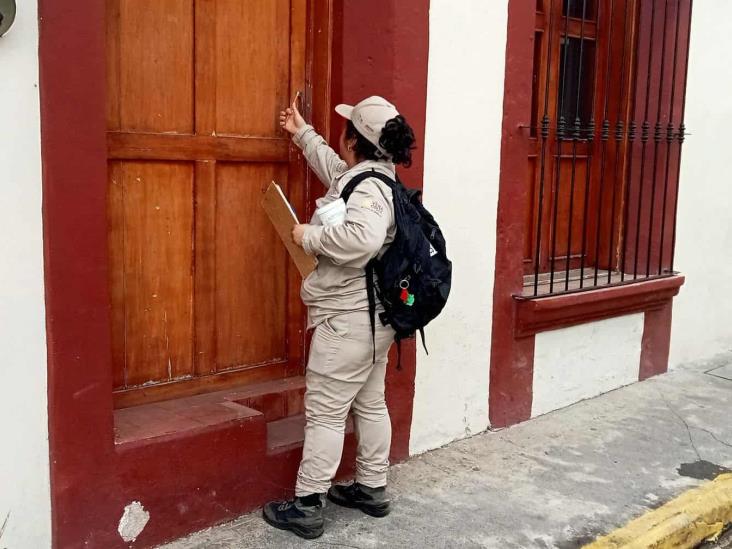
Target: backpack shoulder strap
(358, 178)
(370, 289)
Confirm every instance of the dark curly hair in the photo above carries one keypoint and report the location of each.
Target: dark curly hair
(397, 138)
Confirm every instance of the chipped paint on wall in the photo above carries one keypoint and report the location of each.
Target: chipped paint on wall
(133, 521)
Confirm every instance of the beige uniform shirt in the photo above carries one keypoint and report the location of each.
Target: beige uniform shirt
(338, 285)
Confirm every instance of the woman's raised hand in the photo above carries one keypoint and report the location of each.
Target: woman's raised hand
(291, 119)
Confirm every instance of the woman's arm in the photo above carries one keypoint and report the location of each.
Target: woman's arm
(360, 237)
(319, 155)
(324, 161)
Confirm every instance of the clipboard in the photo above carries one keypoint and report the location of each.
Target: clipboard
(283, 218)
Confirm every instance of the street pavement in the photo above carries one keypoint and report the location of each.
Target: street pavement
(556, 481)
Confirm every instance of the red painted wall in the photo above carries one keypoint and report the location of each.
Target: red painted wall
(382, 50)
(512, 358)
(190, 481)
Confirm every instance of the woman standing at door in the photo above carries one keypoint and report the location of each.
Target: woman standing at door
(346, 366)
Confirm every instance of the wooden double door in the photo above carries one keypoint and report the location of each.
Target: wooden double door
(203, 295)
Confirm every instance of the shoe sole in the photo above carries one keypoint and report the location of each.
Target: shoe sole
(305, 534)
(371, 510)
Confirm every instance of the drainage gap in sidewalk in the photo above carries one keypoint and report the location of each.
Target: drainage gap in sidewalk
(701, 470)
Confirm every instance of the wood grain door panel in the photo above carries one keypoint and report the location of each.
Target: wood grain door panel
(251, 267)
(150, 66)
(251, 82)
(152, 208)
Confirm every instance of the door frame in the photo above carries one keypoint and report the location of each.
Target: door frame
(91, 479)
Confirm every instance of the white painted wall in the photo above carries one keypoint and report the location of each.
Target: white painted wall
(462, 157)
(702, 316)
(24, 468)
(579, 362)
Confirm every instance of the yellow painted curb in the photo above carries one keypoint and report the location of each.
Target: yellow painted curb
(684, 522)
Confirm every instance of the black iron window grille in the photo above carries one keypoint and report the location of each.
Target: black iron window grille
(607, 131)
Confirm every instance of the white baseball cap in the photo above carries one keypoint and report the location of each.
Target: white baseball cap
(369, 117)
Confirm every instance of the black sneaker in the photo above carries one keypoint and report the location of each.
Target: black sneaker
(372, 501)
(303, 516)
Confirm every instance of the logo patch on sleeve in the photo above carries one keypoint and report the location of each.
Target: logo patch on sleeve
(374, 206)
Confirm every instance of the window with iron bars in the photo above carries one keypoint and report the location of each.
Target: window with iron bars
(606, 132)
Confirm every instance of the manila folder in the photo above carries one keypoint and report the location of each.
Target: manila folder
(283, 218)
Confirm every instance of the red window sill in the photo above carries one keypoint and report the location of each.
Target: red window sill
(550, 313)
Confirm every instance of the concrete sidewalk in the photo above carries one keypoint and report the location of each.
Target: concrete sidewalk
(557, 481)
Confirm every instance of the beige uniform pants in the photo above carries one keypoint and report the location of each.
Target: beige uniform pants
(342, 376)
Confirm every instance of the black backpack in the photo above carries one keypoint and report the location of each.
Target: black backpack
(413, 275)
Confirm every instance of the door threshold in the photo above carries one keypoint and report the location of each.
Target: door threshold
(268, 402)
(288, 433)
